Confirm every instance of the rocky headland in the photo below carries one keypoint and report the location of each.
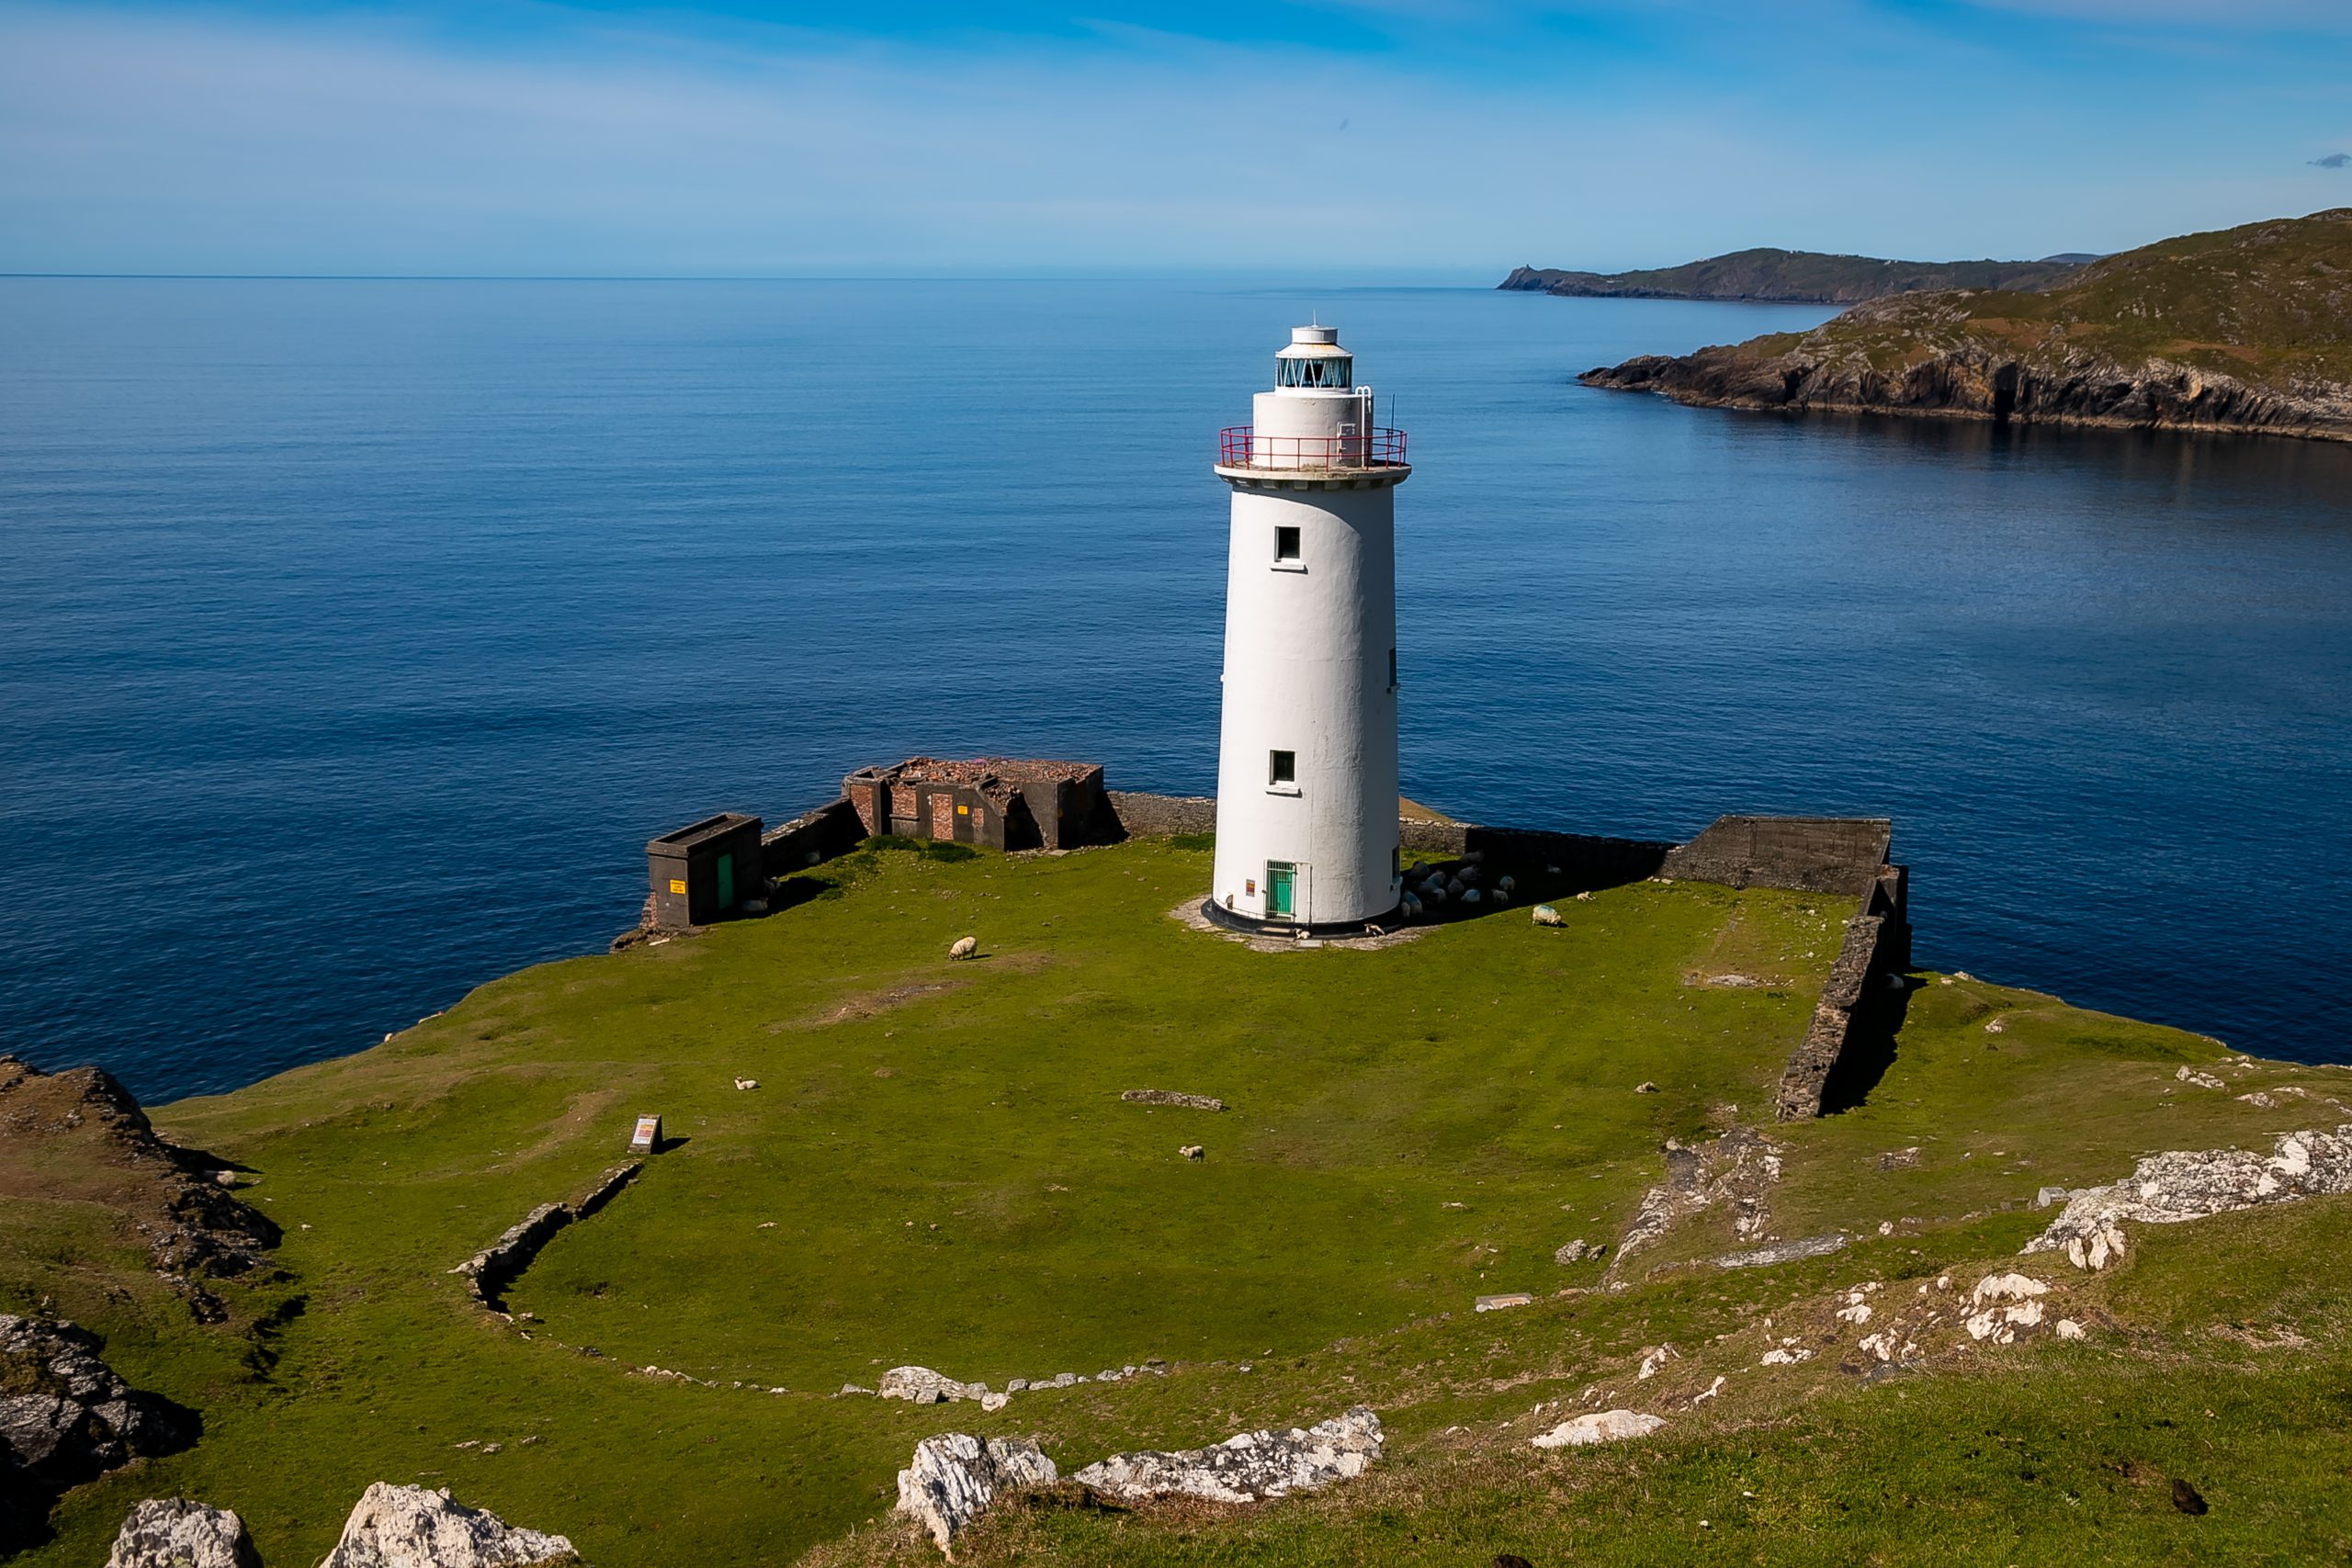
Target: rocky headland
(1799, 277)
(2245, 329)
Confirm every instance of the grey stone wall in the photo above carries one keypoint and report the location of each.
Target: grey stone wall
(1877, 944)
(1140, 816)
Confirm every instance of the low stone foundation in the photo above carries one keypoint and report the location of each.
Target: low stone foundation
(489, 1272)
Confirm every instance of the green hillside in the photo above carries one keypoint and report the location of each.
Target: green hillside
(936, 1168)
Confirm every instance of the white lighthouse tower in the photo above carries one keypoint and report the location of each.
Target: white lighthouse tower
(1306, 766)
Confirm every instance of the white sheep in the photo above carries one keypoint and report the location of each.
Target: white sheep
(747, 1083)
(1434, 896)
(1508, 883)
(1469, 896)
(1412, 907)
(965, 947)
(1501, 897)
(1546, 915)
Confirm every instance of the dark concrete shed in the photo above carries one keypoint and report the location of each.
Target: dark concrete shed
(706, 870)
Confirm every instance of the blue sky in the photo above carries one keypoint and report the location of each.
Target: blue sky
(1349, 139)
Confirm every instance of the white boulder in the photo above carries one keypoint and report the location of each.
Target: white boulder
(921, 1385)
(409, 1527)
(1602, 1427)
(956, 1477)
(1249, 1467)
(172, 1532)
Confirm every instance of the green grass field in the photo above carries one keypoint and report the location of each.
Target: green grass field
(936, 1168)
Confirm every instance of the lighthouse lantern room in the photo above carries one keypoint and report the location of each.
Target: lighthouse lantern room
(1306, 836)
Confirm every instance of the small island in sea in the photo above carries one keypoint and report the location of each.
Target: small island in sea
(2245, 329)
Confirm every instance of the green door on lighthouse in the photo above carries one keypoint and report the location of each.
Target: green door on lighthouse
(1279, 876)
(726, 882)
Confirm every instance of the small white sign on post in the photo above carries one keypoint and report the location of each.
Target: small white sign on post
(647, 1136)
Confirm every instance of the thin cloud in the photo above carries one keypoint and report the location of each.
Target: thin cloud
(2334, 161)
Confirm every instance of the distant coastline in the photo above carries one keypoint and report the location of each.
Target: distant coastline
(1796, 277)
(2246, 329)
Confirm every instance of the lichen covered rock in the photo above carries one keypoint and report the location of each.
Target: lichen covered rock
(409, 1527)
(1248, 1467)
(956, 1477)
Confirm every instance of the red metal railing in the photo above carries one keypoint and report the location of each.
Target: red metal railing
(1380, 447)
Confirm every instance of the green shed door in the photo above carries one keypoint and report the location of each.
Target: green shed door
(1279, 874)
(726, 882)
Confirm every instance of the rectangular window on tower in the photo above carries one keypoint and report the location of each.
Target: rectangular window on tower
(1392, 669)
(1286, 548)
(1282, 771)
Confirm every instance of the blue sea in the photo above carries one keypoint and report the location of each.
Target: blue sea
(355, 636)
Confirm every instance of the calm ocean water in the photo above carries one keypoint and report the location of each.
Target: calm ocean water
(354, 636)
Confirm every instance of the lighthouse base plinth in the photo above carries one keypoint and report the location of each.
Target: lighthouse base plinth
(1217, 914)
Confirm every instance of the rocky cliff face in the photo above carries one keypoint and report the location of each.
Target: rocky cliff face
(2246, 330)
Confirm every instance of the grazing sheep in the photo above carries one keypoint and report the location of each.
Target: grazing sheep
(1412, 907)
(1546, 915)
(1501, 897)
(1435, 896)
(1469, 896)
(965, 947)
(1508, 883)
(1453, 885)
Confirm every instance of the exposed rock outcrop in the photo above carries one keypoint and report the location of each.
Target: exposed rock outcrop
(409, 1527)
(1600, 1426)
(66, 1419)
(1732, 1172)
(956, 1477)
(2179, 1185)
(175, 1533)
(1249, 1467)
(2243, 329)
(79, 1136)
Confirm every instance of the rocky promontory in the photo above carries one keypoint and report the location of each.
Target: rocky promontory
(1799, 277)
(2243, 329)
